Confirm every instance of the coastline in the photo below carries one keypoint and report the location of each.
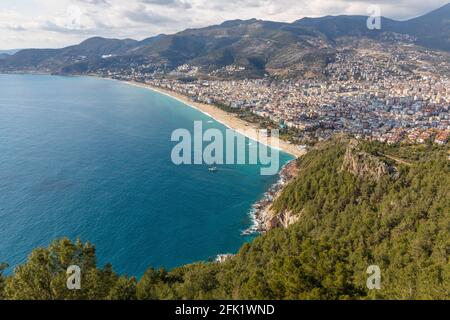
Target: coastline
(262, 219)
(227, 119)
(260, 213)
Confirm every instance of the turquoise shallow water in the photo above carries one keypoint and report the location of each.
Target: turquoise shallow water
(90, 158)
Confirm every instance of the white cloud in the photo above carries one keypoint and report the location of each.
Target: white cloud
(57, 23)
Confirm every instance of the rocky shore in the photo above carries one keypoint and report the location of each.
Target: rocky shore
(264, 218)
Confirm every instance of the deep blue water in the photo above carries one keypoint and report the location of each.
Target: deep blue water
(90, 158)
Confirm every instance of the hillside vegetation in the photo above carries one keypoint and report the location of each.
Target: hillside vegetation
(348, 221)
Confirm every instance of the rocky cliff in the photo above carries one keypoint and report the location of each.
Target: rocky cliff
(272, 219)
(355, 161)
(266, 217)
(365, 165)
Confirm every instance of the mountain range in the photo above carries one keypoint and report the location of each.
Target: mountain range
(259, 46)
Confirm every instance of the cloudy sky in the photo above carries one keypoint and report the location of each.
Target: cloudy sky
(58, 23)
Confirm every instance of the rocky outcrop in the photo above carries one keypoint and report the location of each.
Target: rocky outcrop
(365, 165)
(221, 258)
(265, 218)
(272, 219)
(356, 161)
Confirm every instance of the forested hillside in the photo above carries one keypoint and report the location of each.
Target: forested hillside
(359, 204)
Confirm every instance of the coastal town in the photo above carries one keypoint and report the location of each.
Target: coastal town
(393, 94)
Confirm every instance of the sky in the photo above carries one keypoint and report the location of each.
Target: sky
(59, 23)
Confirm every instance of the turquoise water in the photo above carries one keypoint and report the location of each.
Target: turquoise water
(90, 158)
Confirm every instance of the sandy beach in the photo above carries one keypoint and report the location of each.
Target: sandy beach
(229, 120)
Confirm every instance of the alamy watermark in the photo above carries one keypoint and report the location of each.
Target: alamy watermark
(374, 279)
(374, 19)
(74, 277)
(212, 147)
(72, 19)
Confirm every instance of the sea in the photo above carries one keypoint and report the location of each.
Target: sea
(90, 159)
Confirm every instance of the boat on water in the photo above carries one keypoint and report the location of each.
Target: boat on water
(213, 169)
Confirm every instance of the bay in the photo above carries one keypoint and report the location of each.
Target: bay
(89, 158)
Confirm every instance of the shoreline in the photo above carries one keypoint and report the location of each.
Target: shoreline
(260, 211)
(225, 118)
